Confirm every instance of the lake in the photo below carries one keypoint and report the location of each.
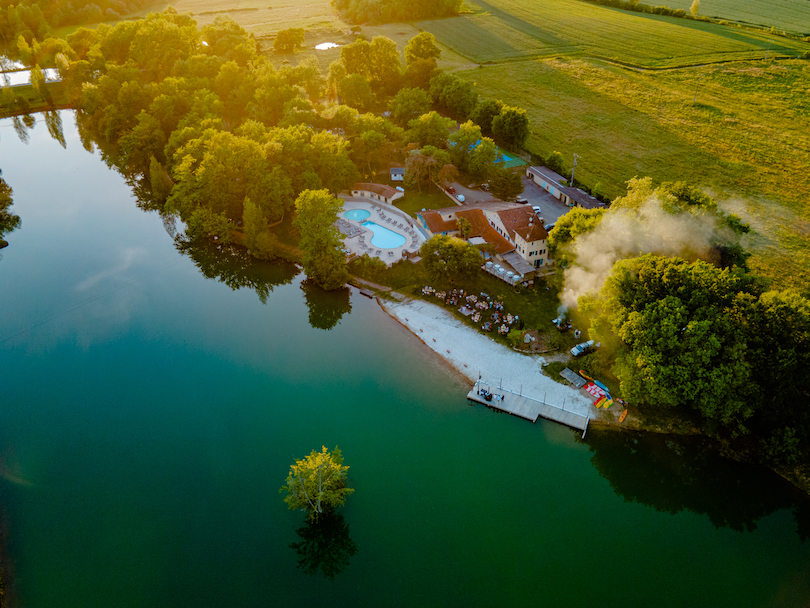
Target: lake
(149, 415)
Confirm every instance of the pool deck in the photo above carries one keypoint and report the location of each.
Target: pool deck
(384, 215)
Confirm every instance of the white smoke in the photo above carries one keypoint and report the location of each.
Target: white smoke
(632, 232)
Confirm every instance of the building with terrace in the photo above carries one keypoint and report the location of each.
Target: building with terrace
(515, 234)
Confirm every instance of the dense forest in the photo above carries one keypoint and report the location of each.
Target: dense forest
(384, 11)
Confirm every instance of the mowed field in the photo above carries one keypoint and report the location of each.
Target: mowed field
(745, 141)
(518, 29)
(788, 15)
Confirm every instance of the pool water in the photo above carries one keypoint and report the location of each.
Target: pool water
(357, 214)
(383, 237)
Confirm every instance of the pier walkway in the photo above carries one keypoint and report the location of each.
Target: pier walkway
(527, 407)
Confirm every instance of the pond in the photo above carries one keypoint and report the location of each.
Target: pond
(154, 395)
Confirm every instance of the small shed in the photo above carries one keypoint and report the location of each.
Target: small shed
(397, 174)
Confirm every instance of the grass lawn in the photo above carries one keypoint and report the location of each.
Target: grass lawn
(413, 202)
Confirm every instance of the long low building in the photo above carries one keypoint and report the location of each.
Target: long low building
(557, 186)
(516, 235)
(377, 192)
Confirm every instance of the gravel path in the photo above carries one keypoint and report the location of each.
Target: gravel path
(471, 353)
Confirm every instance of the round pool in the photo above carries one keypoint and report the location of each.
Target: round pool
(383, 237)
(357, 214)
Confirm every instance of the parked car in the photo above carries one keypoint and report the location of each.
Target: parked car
(460, 197)
(536, 209)
(451, 190)
(522, 200)
(585, 347)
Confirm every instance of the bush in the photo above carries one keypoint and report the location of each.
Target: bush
(515, 338)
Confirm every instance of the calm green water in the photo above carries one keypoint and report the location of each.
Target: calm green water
(148, 416)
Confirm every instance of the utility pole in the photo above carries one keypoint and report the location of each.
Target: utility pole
(574, 168)
(696, 89)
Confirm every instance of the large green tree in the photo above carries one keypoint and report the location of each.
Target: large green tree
(321, 243)
(409, 104)
(317, 483)
(449, 258)
(505, 184)
(430, 129)
(289, 40)
(511, 126)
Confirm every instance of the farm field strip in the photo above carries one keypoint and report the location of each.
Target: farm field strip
(790, 15)
(516, 29)
(614, 33)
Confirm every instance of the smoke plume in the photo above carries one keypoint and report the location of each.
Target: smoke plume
(632, 232)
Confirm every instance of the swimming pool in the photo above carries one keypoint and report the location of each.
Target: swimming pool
(383, 237)
(357, 214)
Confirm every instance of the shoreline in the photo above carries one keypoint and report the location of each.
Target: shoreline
(468, 353)
(473, 355)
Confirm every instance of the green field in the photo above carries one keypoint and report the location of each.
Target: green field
(520, 29)
(745, 140)
(788, 15)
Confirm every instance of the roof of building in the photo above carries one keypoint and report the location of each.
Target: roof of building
(523, 221)
(436, 224)
(386, 191)
(478, 223)
(583, 199)
(549, 174)
(480, 227)
(397, 170)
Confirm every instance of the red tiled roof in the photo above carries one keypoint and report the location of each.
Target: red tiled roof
(481, 227)
(381, 189)
(436, 224)
(524, 221)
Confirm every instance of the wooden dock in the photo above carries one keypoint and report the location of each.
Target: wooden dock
(527, 408)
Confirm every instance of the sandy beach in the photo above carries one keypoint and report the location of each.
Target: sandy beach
(471, 353)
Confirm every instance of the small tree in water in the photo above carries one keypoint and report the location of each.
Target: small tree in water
(317, 483)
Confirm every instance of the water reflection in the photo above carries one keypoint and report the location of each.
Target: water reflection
(233, 266)
(53, 120)
(22, 126)
(674, 473)
(325, 545)
(326, 308)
